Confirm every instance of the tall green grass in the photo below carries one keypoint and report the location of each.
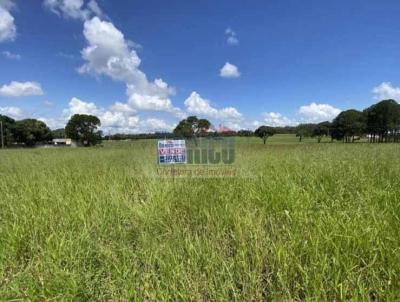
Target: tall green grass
(305, 222)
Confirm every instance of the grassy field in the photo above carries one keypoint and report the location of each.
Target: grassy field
(303, 222)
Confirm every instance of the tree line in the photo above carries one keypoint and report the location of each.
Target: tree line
(30, 132)
(378, 123)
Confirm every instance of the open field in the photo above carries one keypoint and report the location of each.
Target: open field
(313, 222)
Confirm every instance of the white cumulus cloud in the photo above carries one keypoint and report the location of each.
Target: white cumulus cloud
(109, 53)
(315, 113)
(16, 89)
(122, 107)
(118, 118)
(156, 125)
(197, 105)
(229, 113)
(77, 106)
(229, 71)
(13, 112)
(312, 113)
(8, 30)
(75, 9)
(275, 119)
(53, 123)
(386, 91)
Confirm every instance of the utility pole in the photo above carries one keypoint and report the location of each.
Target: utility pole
(2, 135)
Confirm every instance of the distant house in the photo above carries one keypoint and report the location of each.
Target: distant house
(64, 142)
(221, 130)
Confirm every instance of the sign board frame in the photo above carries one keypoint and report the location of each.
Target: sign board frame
(171, 152)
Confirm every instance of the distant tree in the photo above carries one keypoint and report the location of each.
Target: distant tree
(58, 133)
(203, 125)
(245, 133)
(83, 128)
(321, 130)
(286, 130)
(383, 121)
(347, 125)
(264, 132)
(31, 132)
(191, 127)
(185, 127)
(305, 130)
(8, 129)
(124, 136)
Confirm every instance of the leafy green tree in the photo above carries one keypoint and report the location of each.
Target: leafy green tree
(8, 129)
(186, 127)
(58, 133)
(31, 132)
(286, 130)
(347, 125)
(321, 130)
(305, 130)
(191, 127)
(383, 121)
(264, 132)
(203, 125)
(83, 128)
(245, 133)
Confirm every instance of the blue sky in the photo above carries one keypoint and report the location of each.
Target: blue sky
(141, 66)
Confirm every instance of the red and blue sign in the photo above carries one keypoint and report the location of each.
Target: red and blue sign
(172, 152)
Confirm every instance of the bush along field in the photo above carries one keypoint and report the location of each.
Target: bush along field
(304, 222)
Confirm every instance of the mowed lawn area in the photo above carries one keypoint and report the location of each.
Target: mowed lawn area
(301, 221)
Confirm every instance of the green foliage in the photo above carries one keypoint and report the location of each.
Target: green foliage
(264, 132)
(185, 127)
(314, 222)
(83, 128)
(245, 133)
(203, 125)
(305, 130)
(383, 119)
(348, 124)
(8, 129)
(32, 131)
(320, 130)
(58, 133)
(191, 127)
(286, 130)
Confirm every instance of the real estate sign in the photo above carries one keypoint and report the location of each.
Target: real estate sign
(172, 152)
